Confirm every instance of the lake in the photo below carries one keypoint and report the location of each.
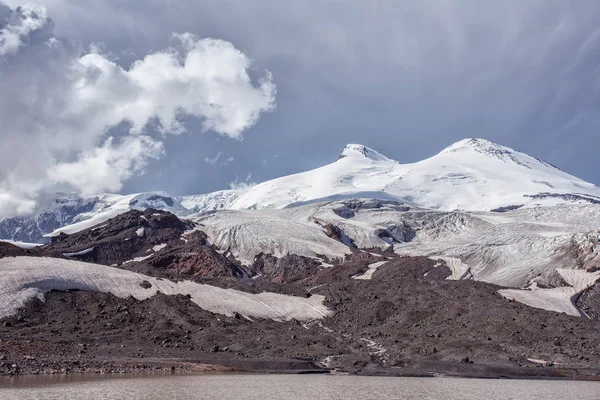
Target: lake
(281, 387)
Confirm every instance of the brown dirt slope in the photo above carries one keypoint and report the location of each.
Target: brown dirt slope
(407, 320)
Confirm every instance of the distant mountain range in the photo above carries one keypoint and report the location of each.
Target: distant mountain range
(470, 175)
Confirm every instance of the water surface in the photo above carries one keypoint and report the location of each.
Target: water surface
(282, 387)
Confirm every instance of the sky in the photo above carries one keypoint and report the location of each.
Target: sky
(192, 96)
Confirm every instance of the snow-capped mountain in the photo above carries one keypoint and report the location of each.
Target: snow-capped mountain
(69, 213)
(472, 174)
(63, 209)
(111, 205)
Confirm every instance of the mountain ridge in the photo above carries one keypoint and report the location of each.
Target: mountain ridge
(473, 174)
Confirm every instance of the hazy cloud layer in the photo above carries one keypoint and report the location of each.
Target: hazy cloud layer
(79, 120)
(404, 77)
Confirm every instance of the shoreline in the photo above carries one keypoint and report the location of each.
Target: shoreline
(164, 368)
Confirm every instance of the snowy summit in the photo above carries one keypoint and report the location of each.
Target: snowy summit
(472, 175)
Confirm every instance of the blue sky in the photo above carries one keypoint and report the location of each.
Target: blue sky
(407, 78)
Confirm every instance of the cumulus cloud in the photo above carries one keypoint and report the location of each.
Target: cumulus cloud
(79, 120)
(106, 167)
(18, 25)
(204, 78)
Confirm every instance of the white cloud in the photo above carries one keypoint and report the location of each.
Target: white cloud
(220, 158)
(25, 19)
(106, 167)
(16, 203)
(204, 78)
(244, 184)
(60, 107)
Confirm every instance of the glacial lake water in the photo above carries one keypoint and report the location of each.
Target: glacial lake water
(283, 387)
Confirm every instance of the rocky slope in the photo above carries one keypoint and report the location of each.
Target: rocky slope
(406, 320)
(387, 313)
(151, 241)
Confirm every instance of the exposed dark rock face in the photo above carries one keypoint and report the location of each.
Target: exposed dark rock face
(191, 260)
(356, 204)
(344, 212)
(354, 264)
(400, 233)
(507, 208)
(88, 332)
(166, 200)
(566, 196)
(153, 242)
(350, 205)
(336, 233)
(552, 280)
(589, 302)
(287, 269)
(120, 239)
(10, 250)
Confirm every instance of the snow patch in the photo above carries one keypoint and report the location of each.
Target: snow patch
(79, 253)
(159, 247)
(560, 299)
(542, 362)
(25, 278)
(369, 273)
(23, 245)
(138, 259)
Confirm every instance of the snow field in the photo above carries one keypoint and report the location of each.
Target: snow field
(25, 278)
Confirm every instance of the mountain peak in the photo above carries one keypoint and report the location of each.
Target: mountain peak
(479, 145)
(359, 150)
(496, 151)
